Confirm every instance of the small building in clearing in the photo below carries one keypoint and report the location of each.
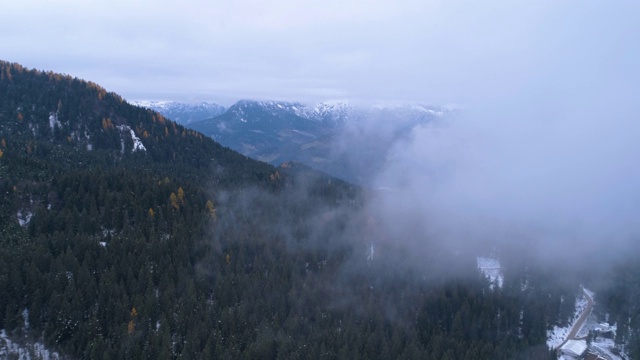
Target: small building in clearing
(573, 348)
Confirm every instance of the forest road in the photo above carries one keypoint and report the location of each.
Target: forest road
(582, 318)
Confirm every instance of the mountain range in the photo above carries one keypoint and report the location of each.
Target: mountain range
(342, 139)
(183, 113)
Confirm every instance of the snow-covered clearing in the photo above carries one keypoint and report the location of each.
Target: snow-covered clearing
(556, 337)
(24, 218)
(490, 267)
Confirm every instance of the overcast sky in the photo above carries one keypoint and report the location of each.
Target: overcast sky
(416, 50)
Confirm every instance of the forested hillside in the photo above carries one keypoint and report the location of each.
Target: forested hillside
(126, 236)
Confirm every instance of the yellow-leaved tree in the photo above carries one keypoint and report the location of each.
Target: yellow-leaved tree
(211, 209)
(174, 201)
(181, 195)
(131, 327)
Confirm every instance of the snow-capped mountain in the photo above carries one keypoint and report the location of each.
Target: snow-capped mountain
(334, 113)
(268, 131)
(343, 139)
(183, 113)
(267, 111)
(329, 114)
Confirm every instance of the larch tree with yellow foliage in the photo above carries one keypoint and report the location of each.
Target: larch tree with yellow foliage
(174, 201)
(181, 195)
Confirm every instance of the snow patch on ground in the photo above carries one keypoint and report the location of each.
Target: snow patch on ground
(490, 267)
(53, 121)
(12, 350)
(137, 143)
(24, 218)
(371, 250)
(556, 336)
(108, 232)
(88, 139)
(157, 104)
(25, 318)
(589, 292)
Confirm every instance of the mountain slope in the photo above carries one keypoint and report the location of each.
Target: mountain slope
(107, 212)
(267, 131)
(346, 141)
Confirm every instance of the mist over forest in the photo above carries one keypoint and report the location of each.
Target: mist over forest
(407, 180)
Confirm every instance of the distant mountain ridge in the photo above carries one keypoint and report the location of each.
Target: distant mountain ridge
(340, 138)
(183, 113)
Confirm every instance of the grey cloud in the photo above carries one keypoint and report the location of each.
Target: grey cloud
(549, 178)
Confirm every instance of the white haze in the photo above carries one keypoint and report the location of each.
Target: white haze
(564, 181)
(549, 158)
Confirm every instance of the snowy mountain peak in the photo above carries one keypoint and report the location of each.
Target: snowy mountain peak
(154, 104)
(329, 113)
(267, 105)
(183, 113)
(335, 113)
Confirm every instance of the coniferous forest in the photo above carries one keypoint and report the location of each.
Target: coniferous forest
(124, 235)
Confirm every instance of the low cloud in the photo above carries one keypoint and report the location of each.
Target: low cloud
(556, 179)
